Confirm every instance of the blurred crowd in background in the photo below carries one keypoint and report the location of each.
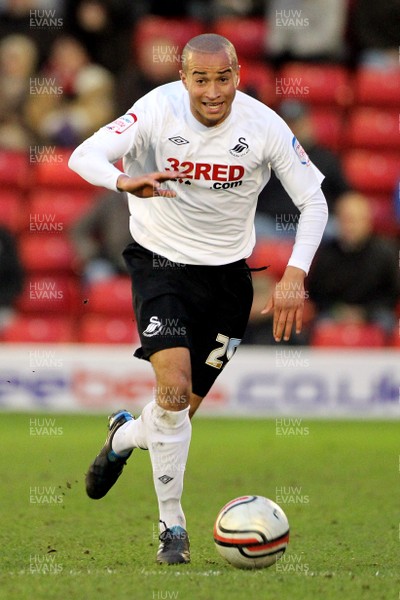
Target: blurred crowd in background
(329, 67)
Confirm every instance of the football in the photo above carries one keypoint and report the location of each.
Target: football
(251, 532)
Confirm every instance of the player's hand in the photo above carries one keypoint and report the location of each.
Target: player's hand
(287, 302)
(148, 185)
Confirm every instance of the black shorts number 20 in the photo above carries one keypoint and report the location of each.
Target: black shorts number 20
(202, 308)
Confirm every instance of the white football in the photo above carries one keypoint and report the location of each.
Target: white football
(251, 532)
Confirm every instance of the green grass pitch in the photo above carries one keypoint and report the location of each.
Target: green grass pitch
(338, 483)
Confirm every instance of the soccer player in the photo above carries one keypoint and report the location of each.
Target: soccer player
(196, 153)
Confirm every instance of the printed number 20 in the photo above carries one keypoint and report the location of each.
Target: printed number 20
(228, 347)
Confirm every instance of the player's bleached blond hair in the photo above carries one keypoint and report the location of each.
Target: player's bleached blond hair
(209, 43)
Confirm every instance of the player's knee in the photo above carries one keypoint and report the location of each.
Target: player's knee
(173, 390)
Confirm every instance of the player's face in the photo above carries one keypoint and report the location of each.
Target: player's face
(211, 81)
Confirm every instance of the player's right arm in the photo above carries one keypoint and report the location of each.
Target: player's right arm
(147, 186)
(94, 160)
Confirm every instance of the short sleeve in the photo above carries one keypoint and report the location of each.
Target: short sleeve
(291, 164)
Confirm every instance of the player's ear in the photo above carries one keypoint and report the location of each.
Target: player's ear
(183, 77)
(237, 74)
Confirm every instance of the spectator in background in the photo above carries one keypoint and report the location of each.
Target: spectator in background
(18, 61)
(104, 27)
(307, 31)
(178, 8)
(71, 97)
(26, 17)
(355, 277)
(156, 62)
(237, 8)
(11, 276)
(276, 215)
(375, 31)
(396, 202)
(206, 10)
(100, 236)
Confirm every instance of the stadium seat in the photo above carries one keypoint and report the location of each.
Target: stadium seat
(56, 173)
(14, 169)
(258, 80)
(50, 294)
(375, 172)
(101, 329)
(39, 329)
(328, 127)
(274, 254)
(152, 27)
(373, 87)
(383, 215)
(46, 252)
(248, 35)
(314, 84)
(64, 207)
(336, 335)
(110, 297)
(12, 210)
(372, 128)
(395, 340)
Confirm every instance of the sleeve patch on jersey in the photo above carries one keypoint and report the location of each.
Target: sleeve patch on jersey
(122, 123)
(300, 152)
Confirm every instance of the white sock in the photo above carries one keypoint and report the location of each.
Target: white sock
(168, 436)
(131, 434)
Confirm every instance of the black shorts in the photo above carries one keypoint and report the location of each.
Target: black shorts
(203, 308)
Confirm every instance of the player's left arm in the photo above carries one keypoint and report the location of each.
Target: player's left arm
(302, 181)
(287, 303)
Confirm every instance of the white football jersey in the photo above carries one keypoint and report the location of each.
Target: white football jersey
(223, 168)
